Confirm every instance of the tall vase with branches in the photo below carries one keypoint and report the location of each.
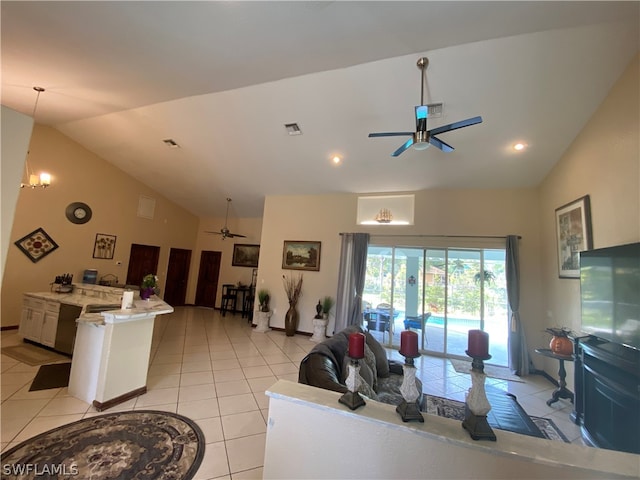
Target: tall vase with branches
(293, 288)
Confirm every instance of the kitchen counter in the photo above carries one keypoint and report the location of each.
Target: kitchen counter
(88, 294)
(112, 348)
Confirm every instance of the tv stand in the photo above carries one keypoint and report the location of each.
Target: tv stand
(607, 390)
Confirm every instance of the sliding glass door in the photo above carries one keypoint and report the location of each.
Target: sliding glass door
(441, 294)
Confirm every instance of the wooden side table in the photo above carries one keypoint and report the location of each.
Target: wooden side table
(562, 391)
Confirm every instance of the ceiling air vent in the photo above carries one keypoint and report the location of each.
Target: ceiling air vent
(293, 129)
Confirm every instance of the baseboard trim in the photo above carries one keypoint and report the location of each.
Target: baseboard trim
(100, 406)
(10, 327)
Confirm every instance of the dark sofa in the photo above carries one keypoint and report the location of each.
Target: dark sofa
(326, 367)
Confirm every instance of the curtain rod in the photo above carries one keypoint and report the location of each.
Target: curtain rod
(436, 236)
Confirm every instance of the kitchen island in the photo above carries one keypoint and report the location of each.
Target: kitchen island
(111, 348)
(112, 353)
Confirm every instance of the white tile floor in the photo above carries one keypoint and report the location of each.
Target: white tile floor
(215, 371)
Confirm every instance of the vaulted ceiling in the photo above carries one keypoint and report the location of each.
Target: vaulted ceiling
(222, 79)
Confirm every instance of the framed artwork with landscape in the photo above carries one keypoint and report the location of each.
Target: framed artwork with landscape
(573, 232)
(245, 255)
(301, 255)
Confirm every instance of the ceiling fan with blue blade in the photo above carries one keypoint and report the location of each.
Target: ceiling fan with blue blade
(422, 138)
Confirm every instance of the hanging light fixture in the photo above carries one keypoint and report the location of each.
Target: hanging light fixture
(44, 179)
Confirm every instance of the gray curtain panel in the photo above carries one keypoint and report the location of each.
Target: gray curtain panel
(518, 354)
(353, 268)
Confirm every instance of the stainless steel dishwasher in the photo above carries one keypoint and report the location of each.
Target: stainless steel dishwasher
(66, 331)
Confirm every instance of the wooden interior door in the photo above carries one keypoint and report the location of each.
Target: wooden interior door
(143, 260)
(207, 288)
(175, 290)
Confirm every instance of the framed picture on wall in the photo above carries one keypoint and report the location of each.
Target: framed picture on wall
(245, 255)
(573, 232)
(36, 245)
(104, 246)
(301, 255)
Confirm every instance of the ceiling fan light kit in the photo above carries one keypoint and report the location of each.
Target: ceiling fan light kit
(422, 138)
(224, 231)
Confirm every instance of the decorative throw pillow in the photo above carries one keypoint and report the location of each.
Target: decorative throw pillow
(370, 361)
(382, 362)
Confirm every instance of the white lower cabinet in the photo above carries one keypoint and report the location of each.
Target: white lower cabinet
(50, 324)
(39, 320)
(32, 318)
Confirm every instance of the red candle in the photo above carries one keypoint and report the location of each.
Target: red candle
(408, 343)
(478, 344)
(356, 345)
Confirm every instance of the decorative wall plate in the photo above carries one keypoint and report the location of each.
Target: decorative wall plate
(78, 212)
(36, 245)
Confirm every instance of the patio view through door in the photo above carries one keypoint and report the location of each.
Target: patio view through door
(441, 294)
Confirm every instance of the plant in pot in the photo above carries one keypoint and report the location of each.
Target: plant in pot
(293, 288)
(263, 299)
(149, 285)
(321, 320)
(327, 305)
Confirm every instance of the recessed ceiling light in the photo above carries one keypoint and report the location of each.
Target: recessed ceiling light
(519, 146)
(336, 159)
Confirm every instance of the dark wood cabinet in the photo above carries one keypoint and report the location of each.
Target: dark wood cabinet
(607, 388)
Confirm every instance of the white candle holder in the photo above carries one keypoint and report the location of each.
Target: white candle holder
(352, 398)
(409, 409)
(477, 406)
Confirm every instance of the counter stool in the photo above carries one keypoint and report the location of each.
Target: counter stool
(229, 298)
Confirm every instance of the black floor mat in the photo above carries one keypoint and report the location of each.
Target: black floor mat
(55, 375)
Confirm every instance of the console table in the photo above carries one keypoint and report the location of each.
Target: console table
(562, 391)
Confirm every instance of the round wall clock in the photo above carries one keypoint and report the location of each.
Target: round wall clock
(78, 212)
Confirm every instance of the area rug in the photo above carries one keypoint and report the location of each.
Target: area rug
(443, 407)
(502, 373)
(142, 445)
(32, 355)
(55, 375)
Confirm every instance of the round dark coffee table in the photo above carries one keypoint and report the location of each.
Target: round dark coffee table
(562, 391)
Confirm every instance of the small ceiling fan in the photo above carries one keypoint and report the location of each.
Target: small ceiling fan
(422, 137)
(224, 231)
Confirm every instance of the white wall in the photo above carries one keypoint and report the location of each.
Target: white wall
(604, 163)
(15, 135)
(311, 435)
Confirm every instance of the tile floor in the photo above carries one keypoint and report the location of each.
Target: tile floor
(215, 371)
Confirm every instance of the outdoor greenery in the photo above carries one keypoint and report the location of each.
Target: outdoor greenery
(463, 286)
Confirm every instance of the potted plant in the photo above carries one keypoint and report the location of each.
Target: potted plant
(149, 285)
(327, 305)
(263, 299)
(321, 320)
(293, 288)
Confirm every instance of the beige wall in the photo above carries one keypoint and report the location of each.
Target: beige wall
(250, 227)
(604, 163)
(80, 176)
(438, 212)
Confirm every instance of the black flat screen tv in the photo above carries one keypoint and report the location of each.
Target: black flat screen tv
(610, 293)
